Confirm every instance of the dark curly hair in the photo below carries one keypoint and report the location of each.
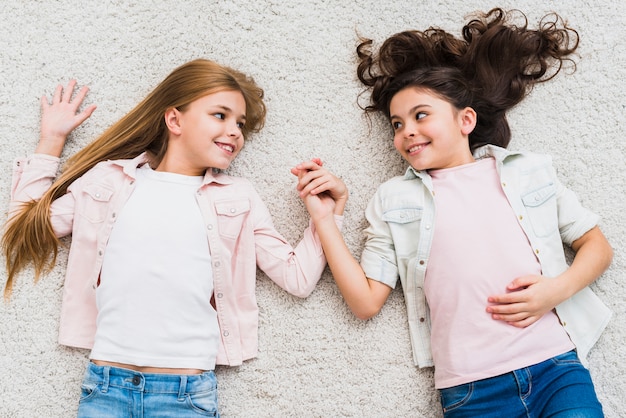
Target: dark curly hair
(491, 67)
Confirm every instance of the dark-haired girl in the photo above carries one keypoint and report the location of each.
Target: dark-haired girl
(474, 231)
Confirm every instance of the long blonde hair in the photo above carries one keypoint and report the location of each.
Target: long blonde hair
(29, 236)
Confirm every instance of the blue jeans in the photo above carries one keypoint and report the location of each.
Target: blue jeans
(558, 387)
(115, 393)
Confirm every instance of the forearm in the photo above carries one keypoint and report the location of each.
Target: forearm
(32, 177)
(340, 205)
(52, 146)
(593, 257)
(364, 297)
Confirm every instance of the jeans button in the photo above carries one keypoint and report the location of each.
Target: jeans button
(136, 380)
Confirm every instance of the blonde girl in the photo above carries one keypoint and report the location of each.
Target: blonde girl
(160, 280)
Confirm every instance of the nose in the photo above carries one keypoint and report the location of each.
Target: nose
(233, 130)
(410, 130)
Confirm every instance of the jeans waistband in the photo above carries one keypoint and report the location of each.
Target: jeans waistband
(149, 382)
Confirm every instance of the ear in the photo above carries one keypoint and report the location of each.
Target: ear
(468, 120)
(172, 120)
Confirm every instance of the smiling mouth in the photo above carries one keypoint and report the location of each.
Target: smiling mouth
(226, 147)
(416, 148)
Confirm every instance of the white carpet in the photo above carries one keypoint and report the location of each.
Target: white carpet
(316, 359)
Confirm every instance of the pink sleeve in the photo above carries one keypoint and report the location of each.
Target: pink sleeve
(296, 270)
(32, 177)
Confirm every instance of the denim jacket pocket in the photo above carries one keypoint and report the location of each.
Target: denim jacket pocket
(403, 216)
(404, 225)
(96, 203)
(542, 209)
(231, 216)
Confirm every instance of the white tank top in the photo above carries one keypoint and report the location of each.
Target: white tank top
(477, 250)
(156, 282)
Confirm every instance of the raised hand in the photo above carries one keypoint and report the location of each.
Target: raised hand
(60, 117)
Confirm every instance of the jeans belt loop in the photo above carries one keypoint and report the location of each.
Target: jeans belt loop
(105, 375)
(183, 387)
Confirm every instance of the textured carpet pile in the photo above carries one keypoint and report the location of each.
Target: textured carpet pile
(315, 359)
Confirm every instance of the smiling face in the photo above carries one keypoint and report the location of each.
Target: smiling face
(207, 133)
(429, 132)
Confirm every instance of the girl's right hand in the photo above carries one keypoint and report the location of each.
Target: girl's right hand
(61, 117)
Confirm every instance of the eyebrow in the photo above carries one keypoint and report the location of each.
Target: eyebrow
(412, 110)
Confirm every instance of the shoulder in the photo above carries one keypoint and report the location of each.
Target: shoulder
(230, 187)
(406, 183)
(109, 174)
(222, 177)
(529, 158)
(107, 167)
(234, 182)
(513, 158)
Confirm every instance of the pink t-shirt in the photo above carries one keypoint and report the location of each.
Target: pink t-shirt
(478, 249)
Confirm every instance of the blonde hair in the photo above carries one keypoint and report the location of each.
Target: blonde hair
(29, 236)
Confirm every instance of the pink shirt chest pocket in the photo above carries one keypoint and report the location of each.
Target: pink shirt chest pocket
(232, 216)
(94, 204)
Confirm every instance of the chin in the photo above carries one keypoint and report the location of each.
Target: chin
(223, 166)
(419, 167)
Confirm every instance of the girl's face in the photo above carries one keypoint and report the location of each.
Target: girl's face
(429, 132)
(206, 134)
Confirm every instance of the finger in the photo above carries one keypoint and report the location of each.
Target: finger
(516, 317)
(315, 186)
(505, 299)
(69, 90)
(80, 96)
(44, 103)
(308, 165)
(524, 323)
(56, 97)
(522, 282)
(308, 176)
(82, 116)
(506, 309)
(324, 185)
(307, 186)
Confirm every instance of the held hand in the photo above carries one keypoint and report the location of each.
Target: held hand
(61, 117)
(322, 192)
(528, 299)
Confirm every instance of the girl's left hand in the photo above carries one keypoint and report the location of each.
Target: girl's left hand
(529, 298)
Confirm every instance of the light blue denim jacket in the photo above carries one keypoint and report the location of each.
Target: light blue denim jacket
(400, 232)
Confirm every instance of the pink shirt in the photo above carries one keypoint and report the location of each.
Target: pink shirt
(478, 249)
(239, 230)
